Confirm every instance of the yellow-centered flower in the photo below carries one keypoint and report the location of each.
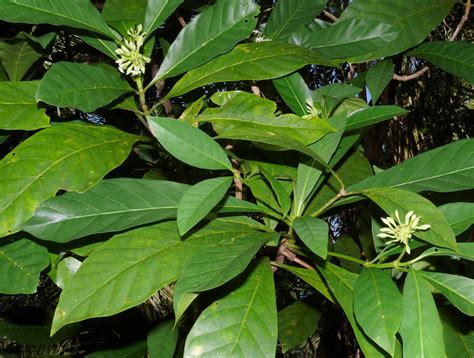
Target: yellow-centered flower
(131, 61)
(401, 232)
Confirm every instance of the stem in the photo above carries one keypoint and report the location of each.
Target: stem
(141, 95)
(347, 257)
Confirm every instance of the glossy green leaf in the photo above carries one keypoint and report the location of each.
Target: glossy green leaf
(213, 32)
(351, 39)
(33, 334)
(465, 251)
(294, 91)
(18, 107)
(391, 199)
(263, 193)
(80, 86)
(44, 40)
(232, 205)
(444, 169)
(125, 271)
(124, 15)
(18, 55)
(215, 265)
(132, 350)
(296, 323)
(342, 283)
(289, 15)
(460, 216)
(162, 340)
(336, 90)
(420, 328)
(455, 57)
(314, 233)
(309, 172)
(372, 115)
(378, 77)
(189, 144)
(78, 13)
(199, 200)
(157, 11)
(112, 205)
(62, 269)
(347, 246)
(70, 156)
(312, 278)
(378, 307)
(245, 112)
(21, 263)
(282, 196)
(402, 16)
(458, 340)
(250, 61)
(100, 43)
(458, 290)
(242, 324)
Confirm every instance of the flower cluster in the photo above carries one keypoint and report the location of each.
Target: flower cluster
(401, 231)
(131, 61)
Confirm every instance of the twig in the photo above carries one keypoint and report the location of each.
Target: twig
(330, 16)
(180, 18)
(464, 18)
(417, 74)
(280, 257)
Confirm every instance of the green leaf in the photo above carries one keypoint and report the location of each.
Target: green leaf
(466, 251)
(70, 156)
(372, 115)
(112, 205)
(232, 205)
(455, 57)
(314, 233)
(402, 16)
(309, 172)
(391, 199)
(421, 328)
(189, 144)
(18, 55)
(336, 90)
(460, 216)
(80, 86)
(353, 40)
(124, 15)
(157, 11)
(132, 350)
(342, 283)
(294, 91)
(18, 107)
(347, 246)
(242, 324)
(199, 200)
(21, 263)
(213, 32)
(78, 13)
(378, 77)
(100, 43)
(289, 15)
(250, 61)
(459, 341)
(444, 169)
(312, 278)
(162, 340)
(241, 111)
(125, 271)
(457, 289)
(62, 269)
(296, 323)
(215, 265)
(378, 307)
(281, 194)
(44, 41)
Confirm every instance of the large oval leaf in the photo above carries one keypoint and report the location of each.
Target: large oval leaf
(214, 31)
(214, 265)
(460, 216)
(18, 107)
(391, 199)
(78, 13)
(444, 169)
(457, 289)
(189, 144)
(378, 307)
(125, 271)
(199, 200)
(421, 328)
(112, 205)
(454, 57)
(372, 115)
(242, 324)
(162, 340)
(70, 156)
(314, 233)
(378, 77)
(123, 15)
(289, 15)
(294, 91)
(157, 11)
(252, 61)
(21, 263)
(80, 86)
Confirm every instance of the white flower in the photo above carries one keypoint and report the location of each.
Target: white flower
(131, 61)
(401, 231)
